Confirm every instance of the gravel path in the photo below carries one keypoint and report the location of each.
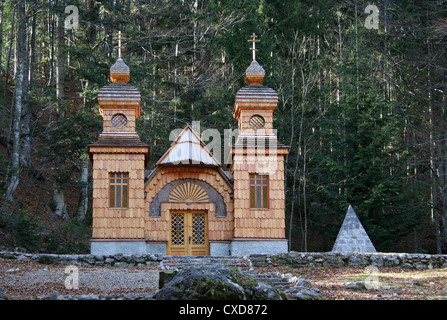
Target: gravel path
(25, 279)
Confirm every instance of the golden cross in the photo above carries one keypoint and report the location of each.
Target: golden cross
(253, 40)
(119, 38)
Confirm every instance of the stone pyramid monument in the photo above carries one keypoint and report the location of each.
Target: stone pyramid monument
(352, 237)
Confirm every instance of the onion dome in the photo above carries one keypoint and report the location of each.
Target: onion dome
(255, 73)
(254, 96)
(119, 71)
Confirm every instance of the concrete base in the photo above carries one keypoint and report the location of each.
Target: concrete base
(156, 248)
(243, 247)
(220, 249)
(235, 248)
(111, 247)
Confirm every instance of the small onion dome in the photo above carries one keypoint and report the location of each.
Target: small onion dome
(254, 75)
(119, 71)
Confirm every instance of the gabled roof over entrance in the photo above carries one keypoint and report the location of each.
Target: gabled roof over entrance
(188, 149)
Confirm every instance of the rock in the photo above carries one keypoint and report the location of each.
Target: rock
(377, 260)
(333, 260)
(109, 260)
(53, 296)
(391, 260)
(139, 260)
(299, 281)
(420, 266)
(8, 255)
(164, 277)
(89, 297)
(259, 260)
(267, 292)
(118, 257)
(357, 286)
(357, 260)
(3, 295)
(307, 295)
(121, 264)
(215, 283)
(90, 261)
(48, 259)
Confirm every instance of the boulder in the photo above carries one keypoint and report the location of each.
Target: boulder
(215, 283)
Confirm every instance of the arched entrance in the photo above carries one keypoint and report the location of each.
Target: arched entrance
(188, 228)
(187, 204)
(190, 212)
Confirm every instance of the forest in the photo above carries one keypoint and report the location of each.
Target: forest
(362, 91)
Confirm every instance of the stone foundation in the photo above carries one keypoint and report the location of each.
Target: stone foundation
(292, 259)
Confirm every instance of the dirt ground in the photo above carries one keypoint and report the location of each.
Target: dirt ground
(382, 283)
(21, 280)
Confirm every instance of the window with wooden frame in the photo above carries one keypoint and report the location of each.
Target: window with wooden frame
(259, 186)
(118, 190)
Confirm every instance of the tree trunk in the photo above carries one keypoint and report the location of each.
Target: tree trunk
(21, 56)
(25, 152)
(293, 53)
(2, 19)
(1, 32)
(83, 199)
(8, 61)
(433, 165)
(59, 202)
(51, 26)
(60, 63)
(58, 194)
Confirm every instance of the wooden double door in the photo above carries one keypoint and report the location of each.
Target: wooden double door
(188, 234)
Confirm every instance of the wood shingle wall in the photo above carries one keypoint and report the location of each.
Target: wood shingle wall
(258, 223)
(112, 223)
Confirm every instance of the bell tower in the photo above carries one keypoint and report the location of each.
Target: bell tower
(257, 168)
(119, 159)
(255, 105)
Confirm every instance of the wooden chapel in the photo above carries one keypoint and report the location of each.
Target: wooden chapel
(188, 204)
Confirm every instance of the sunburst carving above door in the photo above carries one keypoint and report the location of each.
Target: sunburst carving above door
(188, 192)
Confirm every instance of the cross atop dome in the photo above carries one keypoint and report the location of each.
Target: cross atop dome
(253, 48)
(119, 71)
(254, 75)
(119, 38)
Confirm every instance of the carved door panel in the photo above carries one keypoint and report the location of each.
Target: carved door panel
(189, 234)
(198, 237)
(177, 243)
